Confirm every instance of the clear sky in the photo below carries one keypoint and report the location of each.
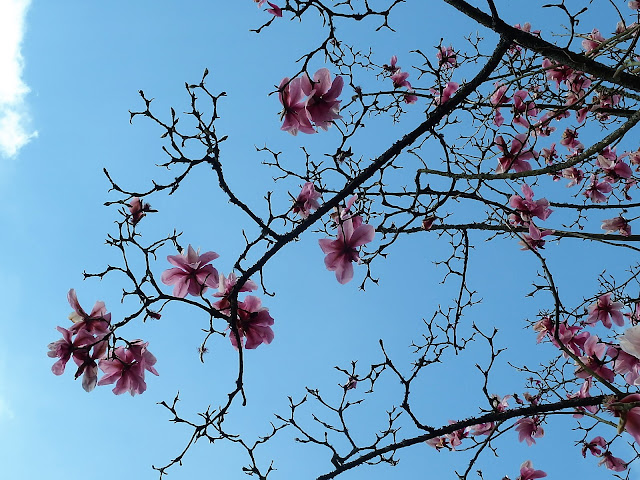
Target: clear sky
(71, 71)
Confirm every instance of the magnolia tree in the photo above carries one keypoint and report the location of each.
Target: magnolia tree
(526, 141)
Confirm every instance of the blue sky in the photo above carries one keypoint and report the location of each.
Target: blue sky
(64, 108)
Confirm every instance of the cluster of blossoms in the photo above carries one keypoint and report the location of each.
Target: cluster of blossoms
(87, 343)
(525, 209)
(341, 252)
(193, 275)
(399, 79)
(599, 360)
(275, 10)
(321, 105)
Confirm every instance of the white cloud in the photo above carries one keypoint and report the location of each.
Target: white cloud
(15, 129)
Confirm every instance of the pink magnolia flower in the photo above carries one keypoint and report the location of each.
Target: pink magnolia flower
(449, 90)
(137, 209)
(577, 82)
(596, 191)
(527, 208)
(392, 68)
(614, 168)
(500, 404)
(399, 79)
(549, 154)
(527, 472)
(88, 349)
(573, 174)
(447, 57)
(498, 98)
(556, 72)
(96, 322)
(523, 110)
(592, 41)
(123, 368)
(534, 240)
(295, 114)
(457, 436)
(629, 419)
(604, 310)
(593, 445)
(529, 428)
(617, 224)
(253, 324)
(323, 104)
(352, 233)
(514, 157)
(307, 200)
(570, 140)
(61, 349)
(584, 393)
(483, 429)
(612, 463)
(625, 361)
(437, 442)
(224, 290)
(193, 274)
(410, 98)
(594, 359)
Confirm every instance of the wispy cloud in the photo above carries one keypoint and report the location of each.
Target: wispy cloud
(15, 129)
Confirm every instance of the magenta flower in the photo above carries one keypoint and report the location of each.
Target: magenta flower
(596, 191)
(593, 358)
(528, 428)
(446, 94)
(523, 110)
(295, 114)
(534, 240)
(123, 368)
(527, 208)
(399, 79)
(307, 200)
(254, 324)
(323, 104)
(447, 57)
(617, 224)
(96, 322)
(556, 72)
(352, 233)
(193, 274)
(612, 463)
(274, 10)
(137, 209)
(604, 310)
(527, 472)
(570, 140)
(61, 349)
(573, 174)
(515, 156)
(593, 446)
(85, 357)
(614, 168)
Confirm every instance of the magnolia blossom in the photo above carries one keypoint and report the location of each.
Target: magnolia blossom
(295, 115)
(556, 72)
(226, 286)
(499, 98)
(625, 360)
(534, 240)
(193, 274)
(446, 93)
(447, 57)
(573, 174)
(617, 224)
(594, 359)
(137, 209)
(515, 156)
(527, 472)
(528, 429)
(253, 324)
(352, 233)
(323, 104)
(629, 417)
(96, 322)
(593, 445)
(307, 200)
(527, 208)
(630, 341)
(593, 40)
(596, 190)
(612, 463)
(522, 110)
(125, 370)
(604, 310)
(570, 140)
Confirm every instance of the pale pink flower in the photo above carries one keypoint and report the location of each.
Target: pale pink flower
(570, 140)
(630, 341)
(483, 428)
(88, 349)
(617, 224)
(295, 114)
(591, 42)
(614, 168)
(522, 110)
(624, 362)
(527, 472)
(449, 90)
(253, 324)
(604, 310)
(549, 154)
(123, 368)
(534, 240)
(307, 200)
(529, 428)
(323, 104)
(573, 174)
(352, 233)
(224, 290)
(193, 275)
(455, 438)
(399, 79)
(96, 322)
(594, 359)
(437, 442)
(61, 349)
